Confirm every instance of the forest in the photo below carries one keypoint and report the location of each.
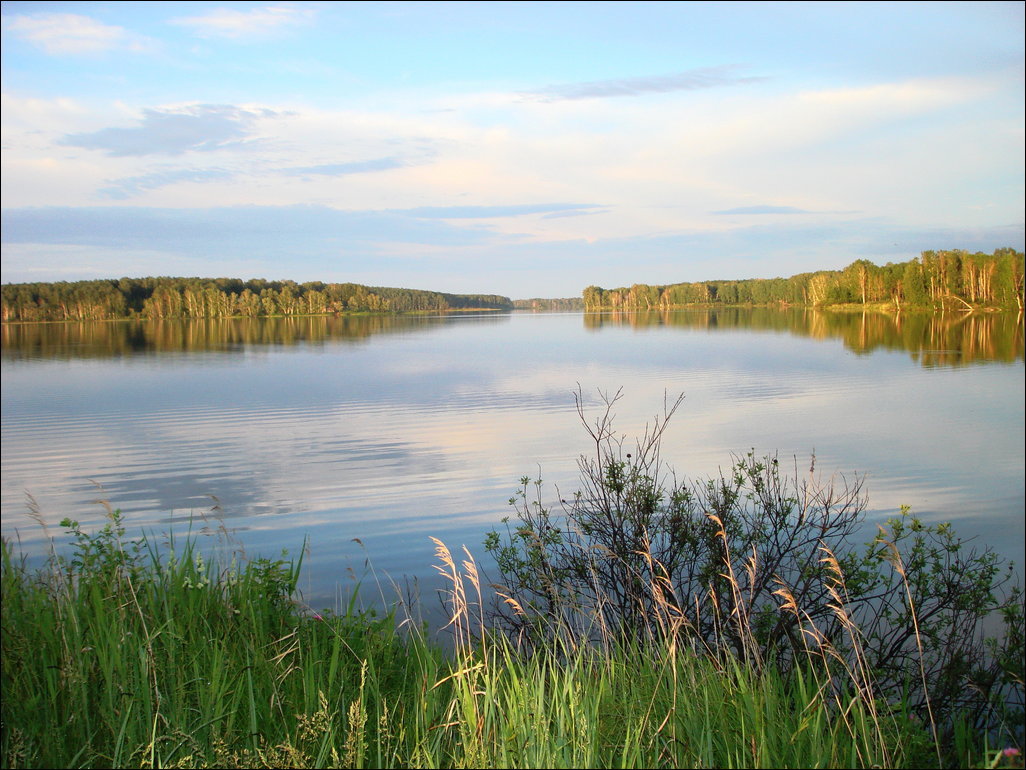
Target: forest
(935, 280)
(952, 279)
(163, 297)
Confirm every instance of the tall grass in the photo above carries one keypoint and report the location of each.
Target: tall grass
(123, 656)
(128, 655)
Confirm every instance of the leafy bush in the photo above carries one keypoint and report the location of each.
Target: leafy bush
(760, 564)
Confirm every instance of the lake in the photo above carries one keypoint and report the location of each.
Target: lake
(363, 436)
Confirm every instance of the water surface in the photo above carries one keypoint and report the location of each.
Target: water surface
(391, 429)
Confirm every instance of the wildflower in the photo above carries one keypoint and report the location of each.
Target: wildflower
(1010, 752)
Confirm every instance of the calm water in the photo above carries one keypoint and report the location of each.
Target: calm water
(391, 429)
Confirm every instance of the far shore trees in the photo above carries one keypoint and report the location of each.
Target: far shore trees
(164, 297)
(935, 280)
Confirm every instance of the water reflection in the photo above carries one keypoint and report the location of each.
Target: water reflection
(933, 339)
(111, 339)
(393, 428)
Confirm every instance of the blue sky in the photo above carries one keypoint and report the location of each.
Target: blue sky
(525, 149)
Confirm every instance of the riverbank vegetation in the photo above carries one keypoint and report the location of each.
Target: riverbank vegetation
(936, 280)
(156, 298)
(644, 622)
(118, 657)
(552, 305)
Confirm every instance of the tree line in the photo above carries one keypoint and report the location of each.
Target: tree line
(934, 280)
(552, 304)
(220, 298)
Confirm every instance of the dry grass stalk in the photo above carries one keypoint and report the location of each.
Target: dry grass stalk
(894, 557)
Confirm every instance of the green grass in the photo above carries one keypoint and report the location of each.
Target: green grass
(125, 655)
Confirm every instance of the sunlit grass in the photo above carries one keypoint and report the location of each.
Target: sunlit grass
(126, 655)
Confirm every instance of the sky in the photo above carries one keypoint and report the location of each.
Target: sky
(523, 149)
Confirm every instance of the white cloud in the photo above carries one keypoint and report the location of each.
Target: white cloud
(903, 97)
(660, 168)
(71, 33)
(665, 165)
(692, 80)
(258, 23)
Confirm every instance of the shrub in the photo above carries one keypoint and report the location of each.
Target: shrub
(761, 564)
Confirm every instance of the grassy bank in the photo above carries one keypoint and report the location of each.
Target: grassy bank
(126, 654)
